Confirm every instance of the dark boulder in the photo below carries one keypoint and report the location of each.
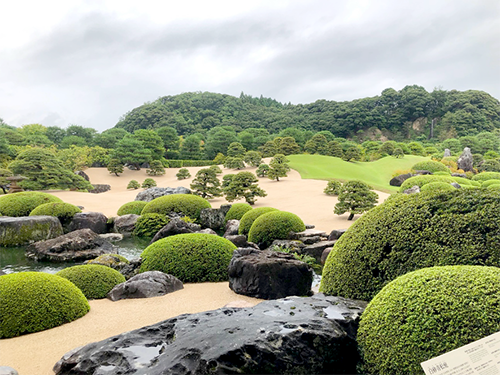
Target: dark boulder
(232, 227)
(336, 234)
(240, 240)
(83, 174)
(146, 285)
(100, 188)
(95, 221)
(268, 274)
(398, 180)
(175, 226)
(125, 224)
(23, 230)
(213, 218)
(78, 245)
(155, 192)
(325, 254)
(316, 250)
(313, 335)
(132, 268)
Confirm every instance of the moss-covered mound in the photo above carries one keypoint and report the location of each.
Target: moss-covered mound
(63, 211)
(148, 224)
(431, 166)
(135, 207)
(426, 313)
(435, 186)
(94, 280)
(409, 232)
(249, 217)
(275, 225)
(21, 204)
(490, 182)
(188, 204)
(485, 176)
(192, 257)
(35, 301)
(422, 180)
(109, 260)
(237, 211)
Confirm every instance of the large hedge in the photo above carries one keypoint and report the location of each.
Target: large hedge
(250, 216)
(94, 280)
(426, 313)
(485, 176)
(275, 225)
(192, 257)
(35, 301)
(21, 204)
(188, 204)
(134, 207)
(413, 231)
(237, 211)
(63, 211)
(431, 166)
(424, 179)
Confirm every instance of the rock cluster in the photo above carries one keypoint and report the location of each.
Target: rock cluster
(155, 192)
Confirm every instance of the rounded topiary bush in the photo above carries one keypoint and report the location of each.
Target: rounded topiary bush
(431, 166)
(21, 204)
(148, 224)
(413, 231)
(490, 182)
(435, 186)
(275, 225)
(94, 280)
(188, 204)
(461, 180)
(63, 211)
(237, 211)
(192, 257)
(134, 207)
(426, 313)
(249, 217)
(35, 301)
(485, 176)
(422, 180)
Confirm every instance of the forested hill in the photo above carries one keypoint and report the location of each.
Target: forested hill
(405, 114)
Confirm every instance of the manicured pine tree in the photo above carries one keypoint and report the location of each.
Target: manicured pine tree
(155, 168)
(244, 185)
(355, 198)
(183, 174)
(115, 166)
(278, 167)
(206, 184)
(252, 158)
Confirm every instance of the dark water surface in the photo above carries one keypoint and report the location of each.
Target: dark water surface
(12, 259)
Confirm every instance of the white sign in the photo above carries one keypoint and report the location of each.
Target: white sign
(480, 357)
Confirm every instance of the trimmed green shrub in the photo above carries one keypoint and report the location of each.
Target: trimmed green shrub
(133, 184)
(21, 204)
(191, 257)
(94, 280)
(149, 224)
(412, 231)
(148, 183)
(35, 301)
(249, 217)
(237, 211)
(426, 313)
(274, 225)
(134, 207)
(475, 183)
(188, 204)
(422, 180)
(494, 186)
(183, 174)
(490, 182)
(431, 166)
(63, 211)
(435, 186)
(461, 181)
(333, 188)
(441, 173)
(485, 176)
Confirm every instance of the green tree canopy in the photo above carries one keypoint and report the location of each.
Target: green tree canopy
(355, 198)
(206, 184)
(244, 185)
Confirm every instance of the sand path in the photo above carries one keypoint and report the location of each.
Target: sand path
(36, 354)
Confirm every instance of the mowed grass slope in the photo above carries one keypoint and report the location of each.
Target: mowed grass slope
(376, 173)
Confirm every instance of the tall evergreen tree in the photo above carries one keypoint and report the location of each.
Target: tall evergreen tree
(206, 184)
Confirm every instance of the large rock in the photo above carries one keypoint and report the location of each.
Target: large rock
(398, 180)
(213, 218)
(240, 240)
(313, 335)
(268, 274)
(132, 268)
(23, 230)
(100, 188)
(78, 245)
(231, 228)
(316, 250)
(336, 234)
(175, 226)
(125, 224)
(83, 174)
(155, 192)
(95, 221)
(146, 285)
(465, 161)
(447, 153)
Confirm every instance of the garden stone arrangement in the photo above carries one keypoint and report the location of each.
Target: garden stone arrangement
(313, 335)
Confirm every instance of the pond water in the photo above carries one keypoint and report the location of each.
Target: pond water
(12, 259)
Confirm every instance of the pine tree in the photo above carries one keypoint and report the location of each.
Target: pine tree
(252, 158)
(278, 167)
(234, 163)
(155, 168)
(206, 184)
(183, 174)
(355, 198)
(244, 185)
(115, 166)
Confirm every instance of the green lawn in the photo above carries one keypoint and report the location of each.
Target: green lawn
(377, 173)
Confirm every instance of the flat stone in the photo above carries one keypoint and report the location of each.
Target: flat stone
(145, 285)
(125, 224)
(15, 231)
(316, 250)
(309, 233)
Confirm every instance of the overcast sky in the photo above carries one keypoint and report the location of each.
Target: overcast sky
(89, 62)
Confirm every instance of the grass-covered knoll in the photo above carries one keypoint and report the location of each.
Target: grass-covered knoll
(94, 280)
(426, 313)
(192, 257)
(134, 207)
(63, 211)
(250, 216)
(188, 204)
(21, 204)
(35, 301)
(274, 225)
(237, 211)
(409, 232)
(421, 180)
(376, 173)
